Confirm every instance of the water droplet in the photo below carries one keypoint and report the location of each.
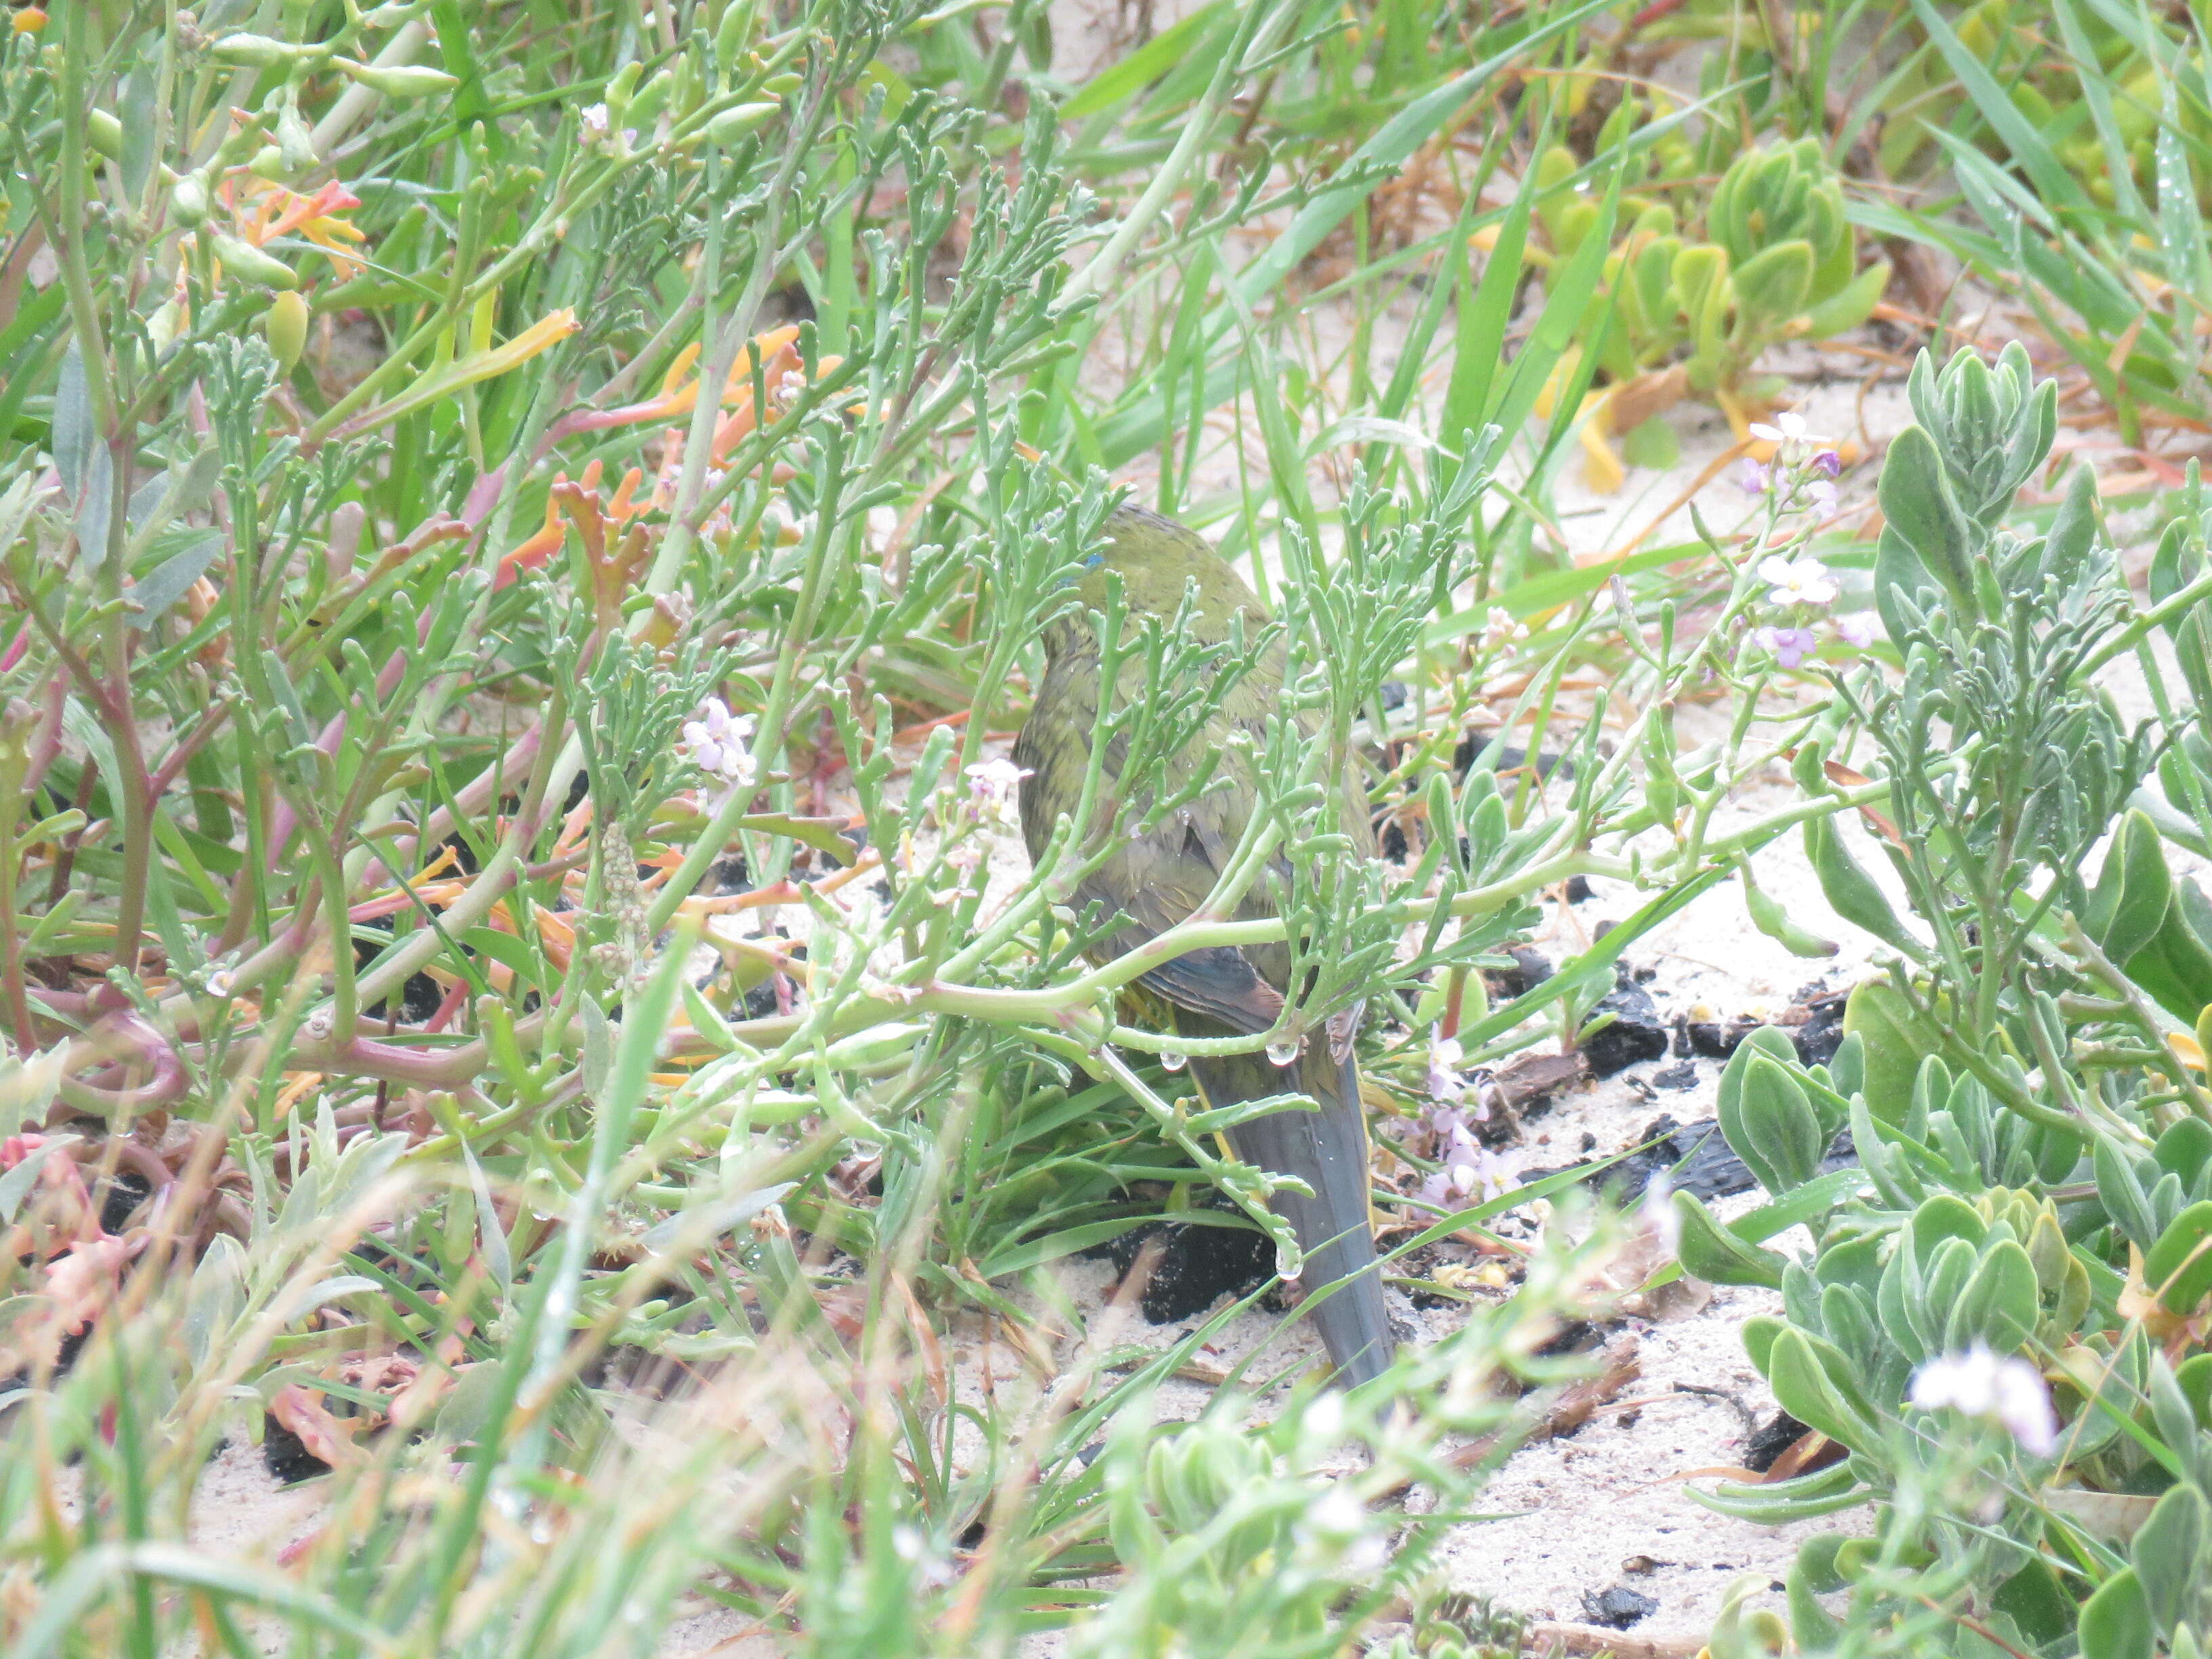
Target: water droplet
(1171, 1060)
(1284, 1054)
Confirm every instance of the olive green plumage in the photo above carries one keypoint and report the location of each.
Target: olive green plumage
(1159, 880)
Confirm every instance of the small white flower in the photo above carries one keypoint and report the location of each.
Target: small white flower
(991, 786)
(2008, 1391)
(1337, 1516)
(1788, 427)
(1857, 629)
(1502, 628)
(1797, 581)
(1657, 1213)
(596, 124)
(218, 982)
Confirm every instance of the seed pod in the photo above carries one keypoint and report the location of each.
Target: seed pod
(250, 264)
(734, 123)
(1851, 892)
(732, 34)
(105, 133)
(284, 325)
(1772, 919)
(251, 51)
(398, 80)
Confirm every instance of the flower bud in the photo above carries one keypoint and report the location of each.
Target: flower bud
(189, 199)
(284, 325)
(164, 326)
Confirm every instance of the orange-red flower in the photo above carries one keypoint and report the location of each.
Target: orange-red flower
(263, 211)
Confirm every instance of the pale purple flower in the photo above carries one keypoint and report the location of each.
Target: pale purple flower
(1756, 479)
(1797, 581)
(991, 787)
(1481, 1174)
(2008, 1391)
(1791, 646)
(1857, 629)
(1445, 1083)
(1821, 495)
(1828, 463)
(715, 739)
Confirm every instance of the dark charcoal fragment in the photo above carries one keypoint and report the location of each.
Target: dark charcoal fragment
(418, 997)
(1198, 1265)
(1510, 758)
(286, 1457)
(1772, 1439)
(1581, 1336)
(1634, 1033)
(1684, 1076)
(1711, 1171)
(1579, 889)
(1394, 846)
(1617, 1607)
(578, 787)
(1530, 968)
(1710, 1038)
(1394, 694)
(1822, 1033)
(1526, 1088)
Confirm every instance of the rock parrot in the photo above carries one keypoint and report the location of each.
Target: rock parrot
(1154, 882)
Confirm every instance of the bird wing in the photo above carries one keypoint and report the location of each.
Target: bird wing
(1156, 883)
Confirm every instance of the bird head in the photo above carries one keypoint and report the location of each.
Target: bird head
(1157, 561)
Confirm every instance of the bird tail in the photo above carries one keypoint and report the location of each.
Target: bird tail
(1328, 1150)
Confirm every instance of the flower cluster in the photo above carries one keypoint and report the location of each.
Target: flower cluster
(991, 787)
(1468, 1169)
(716, 743)
(1801, 476)
(1803, 470)
(2009, 1392)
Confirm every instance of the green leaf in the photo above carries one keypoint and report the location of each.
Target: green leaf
(1804, 1388)
(2145, 889)
(2116, 1623)
(1998, 1304)
(2181, 1260)
(1849, 306)
(1777, 1503)
(167, 582)
(2168, 1555)
(1710, 1251)
(1877, 1014)
(1917, 501)
(1771, 287)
